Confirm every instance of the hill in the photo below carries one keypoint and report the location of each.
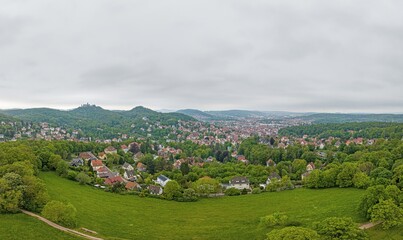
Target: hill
(132, 217)
(200, 115)
(94, 121)
(5, 118)
(228, 114)
(349, 117)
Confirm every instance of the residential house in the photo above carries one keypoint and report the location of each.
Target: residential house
(113, 180)
(155, 190)
(96, 164)
(177, 164)
(239, 183)
(129, 175)
(271, 177)
(77, 162)
(87, 156)
(209, 159)
(132, 186)
(242, 158)
(138, 156)
(110, 150)
(104, 172)
(162, 180)
(124, 148)
(127, 166)
(310, 167)
(141, 167)
(102, 156)
(270, 163)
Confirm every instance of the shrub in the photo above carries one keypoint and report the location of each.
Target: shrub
(339, 228)
(63, 214)
(293, 233)
(189, 195)
(71, 175)
(232, 192)
(83, 178)
(256, 191)
(275, 219)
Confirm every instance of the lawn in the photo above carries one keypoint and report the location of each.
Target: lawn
(391, 234)
(21, 226)
(131, 217)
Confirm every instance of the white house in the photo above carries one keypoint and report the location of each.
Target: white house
(162, 180)
(239, 183)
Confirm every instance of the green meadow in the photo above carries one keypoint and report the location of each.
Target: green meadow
(21, 226)
(131, 217)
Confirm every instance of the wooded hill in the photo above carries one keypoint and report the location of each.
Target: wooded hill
(96, 121)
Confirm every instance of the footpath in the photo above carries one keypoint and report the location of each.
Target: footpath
(61, 228)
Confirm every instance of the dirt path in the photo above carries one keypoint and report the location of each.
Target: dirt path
(60, 227)
(368, 225)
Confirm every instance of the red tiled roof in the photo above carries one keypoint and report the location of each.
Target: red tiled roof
(96, 163)
(113, 180)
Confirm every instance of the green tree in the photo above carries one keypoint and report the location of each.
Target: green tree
(388, 213)
(189, 195)
(293, 233)
(361, 180)
(339, 228)
(314, 179)
(62, 168)
(63, 214)
(185, 168)
(345, 177)
(373, 195)
(172, 190)
(34, 195)
(206, 185)
(83, 178)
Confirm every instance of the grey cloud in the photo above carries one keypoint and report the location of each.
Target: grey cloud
(263, 55)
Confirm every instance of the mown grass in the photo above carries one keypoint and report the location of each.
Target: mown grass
(377, 232)
(21, 226)
(131, 217)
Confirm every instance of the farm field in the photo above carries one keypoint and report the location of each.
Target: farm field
(131, 217)
(21, 226)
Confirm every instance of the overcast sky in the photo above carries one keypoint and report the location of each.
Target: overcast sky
(324, 56)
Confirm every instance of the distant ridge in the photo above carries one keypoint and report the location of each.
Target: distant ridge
(89, 117)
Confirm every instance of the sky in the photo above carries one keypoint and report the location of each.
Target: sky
(320, 56)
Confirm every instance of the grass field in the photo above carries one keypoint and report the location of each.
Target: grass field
(130, 217)
(391, 234)
(21, 226)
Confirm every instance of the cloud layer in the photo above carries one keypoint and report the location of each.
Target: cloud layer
(327, 56)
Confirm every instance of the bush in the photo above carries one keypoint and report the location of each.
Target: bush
(83, 178)
(189, 195)
(71, 175)
(275, 219)
(232, 192)
(62, 168)
(293, 233)
(339, 228)
(63, 214)
(256, 191)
